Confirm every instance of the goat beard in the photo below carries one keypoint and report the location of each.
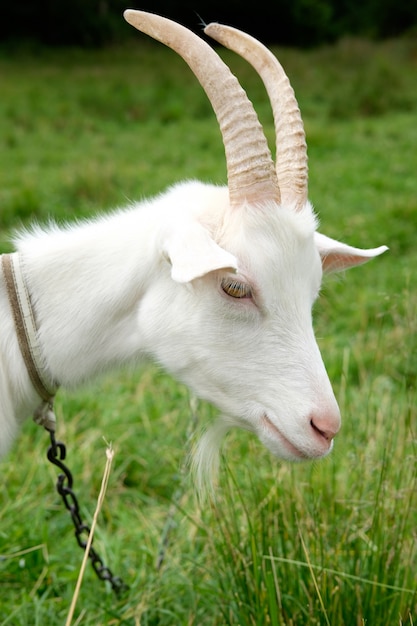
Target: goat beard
(205, 460)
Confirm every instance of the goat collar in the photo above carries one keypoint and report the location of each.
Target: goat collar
(27, 334)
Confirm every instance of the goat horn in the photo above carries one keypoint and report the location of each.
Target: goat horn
(291, 158)
(250, 169)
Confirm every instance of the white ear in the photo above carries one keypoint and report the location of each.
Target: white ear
(193, 253)
(339, 256)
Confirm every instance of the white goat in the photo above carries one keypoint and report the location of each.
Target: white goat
(214, 283)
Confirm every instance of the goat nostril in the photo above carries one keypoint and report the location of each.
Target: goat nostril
(325, 434)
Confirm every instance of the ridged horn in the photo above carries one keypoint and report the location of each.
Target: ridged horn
(291, 158)
(250, 169)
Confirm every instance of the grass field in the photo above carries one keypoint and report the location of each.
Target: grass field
(333, 542)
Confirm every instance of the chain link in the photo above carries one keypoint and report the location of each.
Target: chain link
(56, 455)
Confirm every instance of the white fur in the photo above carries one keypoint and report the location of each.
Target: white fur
(144, 282)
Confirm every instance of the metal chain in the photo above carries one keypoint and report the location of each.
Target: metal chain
(56, 455)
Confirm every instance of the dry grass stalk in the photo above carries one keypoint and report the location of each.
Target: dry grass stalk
(100, 500)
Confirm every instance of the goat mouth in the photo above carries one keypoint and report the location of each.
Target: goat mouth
(290, 447)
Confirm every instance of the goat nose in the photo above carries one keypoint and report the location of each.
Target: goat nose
(326, 425)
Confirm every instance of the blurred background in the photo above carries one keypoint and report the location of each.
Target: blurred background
(94, 115)
(283, 22)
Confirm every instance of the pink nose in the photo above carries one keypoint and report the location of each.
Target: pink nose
(326, 425)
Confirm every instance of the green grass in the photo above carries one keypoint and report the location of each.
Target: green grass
(332, 542)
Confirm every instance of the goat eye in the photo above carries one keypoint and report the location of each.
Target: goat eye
(236, 289)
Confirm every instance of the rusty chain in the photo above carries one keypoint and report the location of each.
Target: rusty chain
(56, 455)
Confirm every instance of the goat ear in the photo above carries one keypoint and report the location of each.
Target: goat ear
(193, 253)
(337, 256)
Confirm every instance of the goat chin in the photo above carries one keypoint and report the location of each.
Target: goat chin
(205, 458)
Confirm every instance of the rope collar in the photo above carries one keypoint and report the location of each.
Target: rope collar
(30, 347)
(28, 339)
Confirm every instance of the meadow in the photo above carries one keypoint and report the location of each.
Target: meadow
(326, 543)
